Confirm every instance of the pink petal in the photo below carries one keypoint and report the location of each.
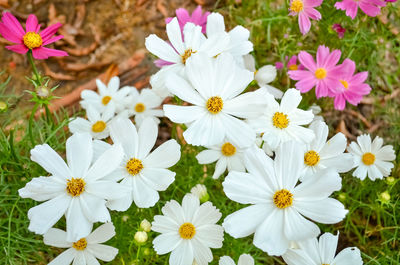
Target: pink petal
(369, 9)
(196, 15)
(299, 74)
(9, 35)
(292, 60)
(32, 24)
(168, 19)
(59, 37)
(321, 89)
(304, 23)
(306, 84)
(44, 53)
(350, 67)
(322, 54)
(12, 23)
(161, 63)
(350, 6)
(312, 3)
(359, 78)
(307, 61)
(278, 65)
(48, 32)
(340, 102)
(19, 48)
(313, 13)
(332, 59)
(182, 15)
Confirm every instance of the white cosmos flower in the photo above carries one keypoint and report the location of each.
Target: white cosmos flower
(312, 252)
(321, 154)
(244, 259)
(283, 122)
(239, 44)
(371, 159)
(106, 95)
(281, 211)
(213, 87)
(84, 251)
(188, 231)
(97, 124)
(77, 189)
(144, 105)
(226, 154)
(143, 172)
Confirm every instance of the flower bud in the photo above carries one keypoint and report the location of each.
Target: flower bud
(140, 237)
(145, 225)
(384, 197)
(3, 106)
(390, 180)
(42, 92)
(200, 191)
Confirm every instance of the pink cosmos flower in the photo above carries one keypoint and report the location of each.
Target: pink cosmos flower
(197, 18)
(370, 7)
(339, 30)
(321, 74)
(305, 10)
(291, 64)
(354, 86)
(30, 39)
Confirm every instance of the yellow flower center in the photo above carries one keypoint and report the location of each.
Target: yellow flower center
(32, 40)
(81, 244)
(320, 73)
(368, 158)
(228, 149)
(187, 54)
(345, 83)
(280, 120)
(293, 67)
(134, 166)
(187, 231)
(296, 6)
(98, 126)
(105, 100)
(283, 198)
(214, 104)
(75, 186)
(311, 158)
(140, 107)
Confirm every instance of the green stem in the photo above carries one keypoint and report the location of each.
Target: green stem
(35, 71)
(31, 122)
(138, 253)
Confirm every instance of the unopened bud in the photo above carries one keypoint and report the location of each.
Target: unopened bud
(145, 225)
(42, 92)
(3, 106)
(200, 191)
(140, 237)
(384, 197)
(390, 180)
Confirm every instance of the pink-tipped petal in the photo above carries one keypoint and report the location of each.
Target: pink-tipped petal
(304, 23)
(307, 61)
(168, 19)
(12, 23)
(32, 24)
(19, 48)
(161, 63)
(9, 34)
(54, 39)
(48, 32)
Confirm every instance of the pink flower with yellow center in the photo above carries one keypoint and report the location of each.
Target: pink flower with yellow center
(305, 10)
(31, 38)
(354, 86)
(370, 7)
(322, 74)
(291, 64)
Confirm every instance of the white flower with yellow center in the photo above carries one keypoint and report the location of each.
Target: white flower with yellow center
(213, 89)
(239, 44)
(97, 124)
(283, 122)
(77, 189)
(86, 250)
(106, 95)
(281, 211)
(371, 159)
(322, 251)
(226, 154)
(145, 104)
(321, 154)
(244, 259)
(143, 172)
(188, 231)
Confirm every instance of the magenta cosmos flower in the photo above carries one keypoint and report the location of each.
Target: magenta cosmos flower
(305, 10)
(30, 39)
(321, 74)
(291, 64)
(354, 86)
(370, 7)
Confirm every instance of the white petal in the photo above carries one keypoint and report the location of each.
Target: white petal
(90, 258)
(147, 133)
(208, 156)
(161, 49)
(349, 256)
(175, 35)
(103, 252)
(288, 174)
(190, 204)
(240, 107)
(210, 235)
(238, 132)
(47, 158)
(298, 228)
(265, 74)
(206, 214)
(365, 142)
(165, 156)
(143, 195)
(79, 153)
(361, 172)
(297, 257)
(215, 44)
(94, 208)
(207, 130)
(178, 86)
(183, 114)
(65, 258)
(182, 254)
(99, 147)
(102, 234)
(327, 247)
(164, 224)
(225, 260)
(220, 167)
(290, 100)
(157, 178)
(202, 254)
(167, 242)
(245, 259)
(78, 225)
(79, 258)
(80, 125)
(123, 131)
(327, 211)
(56, 238)
(173, 210)
(201, 74)
(215, 24)
(386, 153)
(43, 188)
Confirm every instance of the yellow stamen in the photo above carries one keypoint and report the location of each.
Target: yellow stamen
(345, 84)
(311, 158)
(187, 231)
(283, 199)
(98, 126)
(293, 67)
(32, 40)
(134, 166)
(140, 107)
(228, 149)
(296, 6)
(280, 120)
(105, 100)
(368, 158)
(81, 244)
(214, 104)
(320, 73)
(187, 54)
(75, 186)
